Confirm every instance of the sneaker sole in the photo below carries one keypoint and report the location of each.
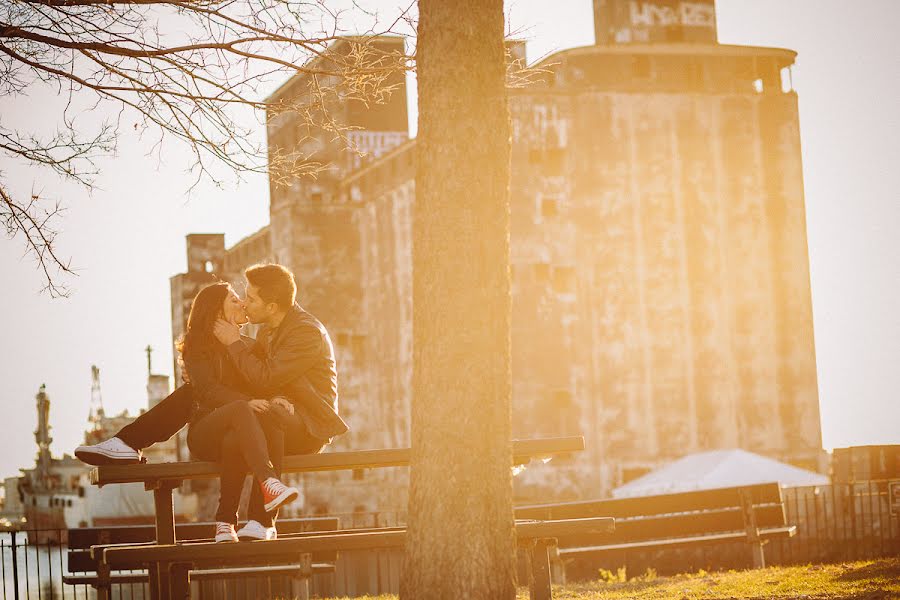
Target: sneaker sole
(249, 538)
(99, 459)
(287, 497)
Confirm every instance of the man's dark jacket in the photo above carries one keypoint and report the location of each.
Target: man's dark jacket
(295, 359)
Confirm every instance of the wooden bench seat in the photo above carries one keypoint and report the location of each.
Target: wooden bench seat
(83, 541)
(534, 537)
(163, 478)
(523, 452)
(750, 514)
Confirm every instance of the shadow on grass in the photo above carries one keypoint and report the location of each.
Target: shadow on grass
(882, 569)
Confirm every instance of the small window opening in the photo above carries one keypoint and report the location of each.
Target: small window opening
(554, 161)
(758, 86)
(316, 196)
(542, 273)
(549, 208)
(564, 280)
(787, 80)
(208, 266)
(358, 345)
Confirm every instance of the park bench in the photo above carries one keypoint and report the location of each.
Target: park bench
(751, 514)
(180, 560)
(82, 568)
(163, 478)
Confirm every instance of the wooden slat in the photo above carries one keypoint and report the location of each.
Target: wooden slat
(85, 537)
(207, 574)
(86, 560)
(561, 528)
(202, 561)
(261, 550)
(636, 530)
(119, 579)
(777, 533)
(765, 493)
(523, 451)
(255, 572)
(81, 561)
(128, 557)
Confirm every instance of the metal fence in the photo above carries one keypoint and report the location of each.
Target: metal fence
(835, 523)
(32, 565)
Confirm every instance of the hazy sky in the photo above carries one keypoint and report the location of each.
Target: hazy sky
(128, 238)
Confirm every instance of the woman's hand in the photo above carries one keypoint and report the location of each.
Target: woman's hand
(258, 405)
(227, 333)
(284, 403)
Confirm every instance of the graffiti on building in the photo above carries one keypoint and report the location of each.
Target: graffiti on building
(688, 14)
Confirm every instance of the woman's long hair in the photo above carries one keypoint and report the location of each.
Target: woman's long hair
(205, 309)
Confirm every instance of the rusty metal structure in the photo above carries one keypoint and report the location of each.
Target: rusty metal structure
(660, 273)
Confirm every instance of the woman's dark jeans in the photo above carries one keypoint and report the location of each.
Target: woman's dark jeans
(234, 436)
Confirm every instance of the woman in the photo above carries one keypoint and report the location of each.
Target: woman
(225, 425)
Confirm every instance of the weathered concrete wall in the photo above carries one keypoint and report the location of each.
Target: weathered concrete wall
(661, 300)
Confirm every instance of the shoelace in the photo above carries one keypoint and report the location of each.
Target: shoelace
(273, 487)
(223, 528)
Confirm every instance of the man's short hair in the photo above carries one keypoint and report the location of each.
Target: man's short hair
(275, 284)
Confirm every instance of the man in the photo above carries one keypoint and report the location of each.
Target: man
(292, 357)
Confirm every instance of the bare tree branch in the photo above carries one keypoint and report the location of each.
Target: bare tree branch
(186, 69)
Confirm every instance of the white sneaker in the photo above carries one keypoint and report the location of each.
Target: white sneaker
(225, 532)
(111, 452)
(276, 494)
(254, 530)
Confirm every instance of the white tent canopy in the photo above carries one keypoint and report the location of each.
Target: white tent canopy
(718, 469)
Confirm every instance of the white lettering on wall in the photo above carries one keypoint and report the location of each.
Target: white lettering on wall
(695, 14)
(689, 14)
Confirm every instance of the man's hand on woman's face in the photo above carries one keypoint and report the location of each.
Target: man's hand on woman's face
(227, 333)
(258, 405)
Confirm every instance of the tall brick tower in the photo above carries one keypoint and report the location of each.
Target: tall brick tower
(661, 278)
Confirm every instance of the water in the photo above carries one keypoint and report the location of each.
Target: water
(37, 571)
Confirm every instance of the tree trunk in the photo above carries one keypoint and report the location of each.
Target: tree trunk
(461, 541)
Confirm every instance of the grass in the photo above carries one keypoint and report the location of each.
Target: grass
(870, 580)
(867, 580)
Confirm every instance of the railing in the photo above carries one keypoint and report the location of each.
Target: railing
(32, 564)
(839, 522)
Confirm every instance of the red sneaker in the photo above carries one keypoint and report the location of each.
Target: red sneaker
(277, 494)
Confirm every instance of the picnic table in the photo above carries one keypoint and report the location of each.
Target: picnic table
(166, 562)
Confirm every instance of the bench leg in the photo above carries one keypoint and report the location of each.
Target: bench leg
(557, 567)
(539, 575)
(753, 539)
(758, 554)
(180, 581)
(103, 582)
(305, 573)
(153, 581)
